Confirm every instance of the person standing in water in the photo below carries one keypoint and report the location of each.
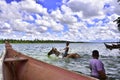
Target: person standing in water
(97, 67)
(66, 49)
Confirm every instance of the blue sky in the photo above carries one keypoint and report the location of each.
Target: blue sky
(74, 20)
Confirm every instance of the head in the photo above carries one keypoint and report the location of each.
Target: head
(54, 51)
(50, 52)
(95, 54)
(67, 43)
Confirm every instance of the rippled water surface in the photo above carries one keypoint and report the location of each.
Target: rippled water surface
(111, 59)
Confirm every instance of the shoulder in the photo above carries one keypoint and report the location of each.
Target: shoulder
(99, 63)
(92, 60)
(95, 60)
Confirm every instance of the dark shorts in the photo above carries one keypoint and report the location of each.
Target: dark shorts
(65, 54)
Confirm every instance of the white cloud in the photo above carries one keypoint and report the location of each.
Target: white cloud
(88, 8)
(29, 20)
(32, 7)
(9, 11)
(41, 29)
(56, 26)
(56, 15)
(5, 28)
(114, 7)
(19, 25)
(42, 23)
(66, 9)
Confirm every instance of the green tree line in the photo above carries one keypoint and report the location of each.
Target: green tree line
(31, 41)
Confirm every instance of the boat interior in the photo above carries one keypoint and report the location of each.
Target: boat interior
(17, 66)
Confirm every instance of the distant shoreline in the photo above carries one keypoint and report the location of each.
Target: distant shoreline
(45, 41)
(36, 41)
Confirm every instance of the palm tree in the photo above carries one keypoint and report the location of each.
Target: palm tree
(118, 22)
(118, 19)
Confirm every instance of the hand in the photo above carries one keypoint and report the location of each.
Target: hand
(103, 77)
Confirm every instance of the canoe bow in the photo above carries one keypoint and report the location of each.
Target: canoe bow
(17, 66)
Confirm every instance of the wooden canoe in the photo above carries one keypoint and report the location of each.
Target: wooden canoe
(113, 46)
(17, 66)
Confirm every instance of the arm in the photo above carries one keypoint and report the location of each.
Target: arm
(90, 67)
(66, 48)
(101, 71)
(102, 75)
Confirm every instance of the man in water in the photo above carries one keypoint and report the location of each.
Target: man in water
(97, 67)
(66, 49)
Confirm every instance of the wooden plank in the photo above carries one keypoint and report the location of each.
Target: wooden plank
(1, 64)
(15, 59)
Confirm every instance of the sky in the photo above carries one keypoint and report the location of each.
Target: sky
(72, 20)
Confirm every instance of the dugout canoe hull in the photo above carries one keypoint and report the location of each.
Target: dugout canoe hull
(17, 66)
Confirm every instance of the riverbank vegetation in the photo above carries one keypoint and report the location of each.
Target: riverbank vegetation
(31, 41)
(35, 41)
(47, 41)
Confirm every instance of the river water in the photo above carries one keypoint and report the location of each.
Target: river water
(110, 58)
